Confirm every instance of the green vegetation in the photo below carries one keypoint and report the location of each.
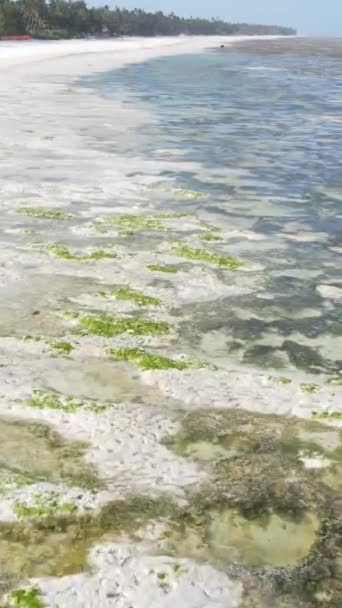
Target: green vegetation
(29, 338)
(126, 293)
(45, 504)
(148, 361)
(134, 222)
(10, 480)
(60, 19)
(47, 214)
(108, 326)
(126, 233)
(31, 452)
(202, 255)
(208, 236)
(336, 380)
(209, 226)
(161, 268)
(282, 380)
(62, 252)
(172, 215)
(49, 400)
(26, 598)
(327, 415)
(307, 387)
(57, 544)
(62, 348)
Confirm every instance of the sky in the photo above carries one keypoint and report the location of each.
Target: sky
(308, 16)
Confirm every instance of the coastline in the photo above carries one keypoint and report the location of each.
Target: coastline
(50, 161)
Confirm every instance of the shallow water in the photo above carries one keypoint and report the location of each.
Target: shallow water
(259, 136)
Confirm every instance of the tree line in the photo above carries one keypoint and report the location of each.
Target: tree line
(70, 19)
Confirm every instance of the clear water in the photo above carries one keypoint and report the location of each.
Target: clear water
(260, 136)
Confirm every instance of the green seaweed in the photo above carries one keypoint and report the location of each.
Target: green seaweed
(42, 399)
(282, 380)
(335, 380)
(49, 400)
(26, 598)
(172, 215)
(148, 361)
(62, 347)
(57, 543)
(126, 293)
(209, 226)
(126, 233)
(108, 326)
(62, 252)
(134, 222)
(48, 214)
(208, 236)
(44, 504)
(10, 480)
(162, 268)
(308, 387)
(330, 415)
(202, 255)
(32, 452)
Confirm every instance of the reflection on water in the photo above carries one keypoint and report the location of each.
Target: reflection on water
(257, 130)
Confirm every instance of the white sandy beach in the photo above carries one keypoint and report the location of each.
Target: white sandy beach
(60, 151)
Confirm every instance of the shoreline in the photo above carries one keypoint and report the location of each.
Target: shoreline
(16, 54)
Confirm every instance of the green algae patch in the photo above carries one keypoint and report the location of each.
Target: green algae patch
(58, 543)
(208, 226)
(172, 215)
(134, 222)
(309, 387)
(282, 380)
(26, 598)
(42, 399)
(202, 255)
(335, 380)
(31, 452)
(211, 436)
(108, 326)
(62, 347)
(29, 338)
(10, 481)
(130, 223)
(162, 268)
(62, 252)
(149, 361)
(208, 236)
(330, 415)
(44, 504)
(126, 233)
(126, 293)
(46, 214)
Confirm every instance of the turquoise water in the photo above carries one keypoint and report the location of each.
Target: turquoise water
(259, 135)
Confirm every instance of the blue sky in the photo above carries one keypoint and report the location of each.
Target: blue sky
(309, 16)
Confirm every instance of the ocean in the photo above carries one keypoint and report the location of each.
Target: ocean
(256, 130)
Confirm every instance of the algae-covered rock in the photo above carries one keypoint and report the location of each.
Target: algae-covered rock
(31, 452)
(263, 515)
